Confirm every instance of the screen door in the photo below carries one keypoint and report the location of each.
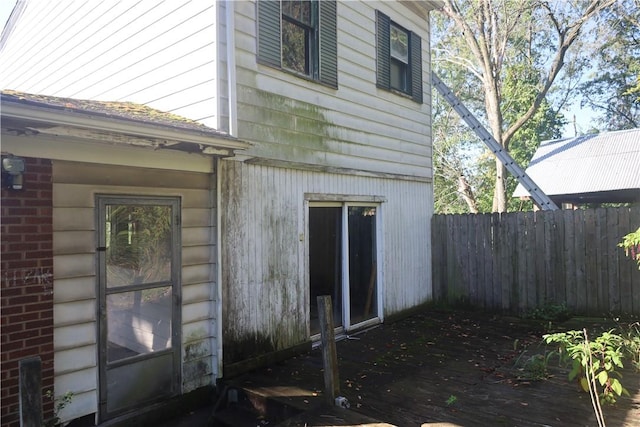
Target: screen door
(139, 301)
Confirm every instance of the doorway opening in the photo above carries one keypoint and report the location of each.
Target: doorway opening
(343, 253)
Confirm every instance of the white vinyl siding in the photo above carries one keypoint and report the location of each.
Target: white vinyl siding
(75, 339)
(162, 54)
(359, 126)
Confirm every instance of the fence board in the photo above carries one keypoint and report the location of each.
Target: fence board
(634, 223)
(497, 275)
(626, 302)
(437, 259)
(548, 255)
(508, 265)
(540, 260)
(569, 259)
(486, 265)
(579, 257)
(602, 259)
(519, 261)
(614, 265)
(591, 272)
(473, 259)
(521, 252)
(530, 254)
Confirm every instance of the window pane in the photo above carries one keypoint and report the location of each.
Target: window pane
(325, 262)
(362, 263)
(295, 55)
(138, 244)
(138, 322)
(299, 10)
(399, 44)
(399, 73)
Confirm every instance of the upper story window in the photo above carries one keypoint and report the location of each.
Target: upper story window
(299, 28)
(399, 58)
(399, 61)
(299, 36)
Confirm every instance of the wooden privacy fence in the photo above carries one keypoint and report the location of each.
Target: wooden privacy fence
(516, 262)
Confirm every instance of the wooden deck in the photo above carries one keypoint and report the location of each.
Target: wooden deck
(438, 368)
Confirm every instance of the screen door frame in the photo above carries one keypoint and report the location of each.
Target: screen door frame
(168, 357)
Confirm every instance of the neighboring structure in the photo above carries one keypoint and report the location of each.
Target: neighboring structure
(588, 169)
(331, 195)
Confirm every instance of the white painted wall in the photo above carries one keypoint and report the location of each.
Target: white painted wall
(265, 274)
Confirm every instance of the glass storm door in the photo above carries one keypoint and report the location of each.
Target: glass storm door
(139, 301)
(342, 263)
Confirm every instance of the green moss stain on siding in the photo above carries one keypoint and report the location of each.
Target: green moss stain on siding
(283, 127)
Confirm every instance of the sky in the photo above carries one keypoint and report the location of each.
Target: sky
(6, 6)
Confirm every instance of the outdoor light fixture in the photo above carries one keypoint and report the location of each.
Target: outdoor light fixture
(12, 172)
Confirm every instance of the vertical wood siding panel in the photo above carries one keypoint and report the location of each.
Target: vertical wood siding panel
(280, 295)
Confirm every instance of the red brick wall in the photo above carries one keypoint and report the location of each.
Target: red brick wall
(26, 292)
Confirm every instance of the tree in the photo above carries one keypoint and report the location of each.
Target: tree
(613, 88)
(454, 152)
(490, 38)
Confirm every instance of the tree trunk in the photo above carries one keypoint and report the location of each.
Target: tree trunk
(500, 191)
(467, 194)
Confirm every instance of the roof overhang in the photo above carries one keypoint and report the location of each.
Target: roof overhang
(422, 7)
(20, 117)
(628, 195)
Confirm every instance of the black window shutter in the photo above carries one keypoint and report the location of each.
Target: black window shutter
(416, 67)
(328, 43)
(383, 50)
(269, 49)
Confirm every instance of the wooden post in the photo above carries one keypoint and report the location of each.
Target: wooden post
(30, 392)
(329, 354)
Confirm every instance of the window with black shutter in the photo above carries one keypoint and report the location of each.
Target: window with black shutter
(399, 58)
(299, 36)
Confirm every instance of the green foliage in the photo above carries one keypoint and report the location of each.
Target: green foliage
(451, 400)
(595, 364)
(534, 367)
(631, 245)
(613, 88)
(549, 312)
(60, 403)
(138, 243)
(520, 67)
(631, 342)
